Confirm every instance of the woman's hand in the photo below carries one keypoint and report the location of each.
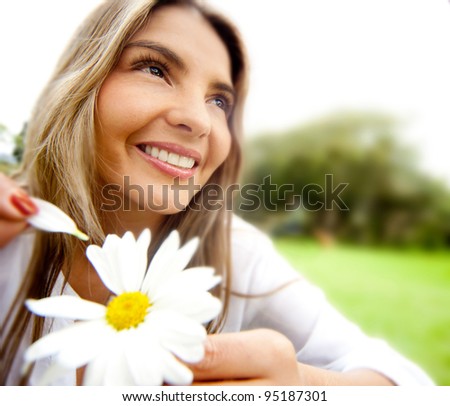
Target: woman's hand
(266, 357)
(15, 207)
(256, 357)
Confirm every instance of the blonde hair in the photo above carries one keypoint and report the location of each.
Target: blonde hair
(59, 159)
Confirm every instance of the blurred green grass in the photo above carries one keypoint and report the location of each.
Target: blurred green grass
(402, 296)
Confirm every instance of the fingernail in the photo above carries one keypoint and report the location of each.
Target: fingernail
(23, 203)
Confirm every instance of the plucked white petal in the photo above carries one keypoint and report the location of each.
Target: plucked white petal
(53, 219)
(69, 307)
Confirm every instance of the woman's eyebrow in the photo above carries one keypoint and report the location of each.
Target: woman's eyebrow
(166, 52)
(174, 58)
(226, 88)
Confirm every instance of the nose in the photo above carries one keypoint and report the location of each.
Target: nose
(190, 114)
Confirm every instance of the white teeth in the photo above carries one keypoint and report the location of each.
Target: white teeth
(170, 157)
(186, 162)
(173, 159)
(163, 155)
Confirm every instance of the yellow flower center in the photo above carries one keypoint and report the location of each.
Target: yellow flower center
(127, 310)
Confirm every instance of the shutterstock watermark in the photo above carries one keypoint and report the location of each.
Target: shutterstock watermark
(245, 197)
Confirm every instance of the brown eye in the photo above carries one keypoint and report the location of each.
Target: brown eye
(155, 71)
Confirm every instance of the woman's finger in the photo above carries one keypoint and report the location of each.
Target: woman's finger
(9, 229)
(15, 203)
(15, 207)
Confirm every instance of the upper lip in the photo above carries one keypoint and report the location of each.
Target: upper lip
(175, 148)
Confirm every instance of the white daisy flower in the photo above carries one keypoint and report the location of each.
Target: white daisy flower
(51, 218)
(154, 320)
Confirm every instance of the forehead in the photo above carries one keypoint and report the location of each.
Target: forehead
(186, 32)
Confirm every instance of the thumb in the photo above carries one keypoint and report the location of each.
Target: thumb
(234, 356)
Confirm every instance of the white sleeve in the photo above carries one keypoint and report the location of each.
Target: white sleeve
(14, 259)
(321, 335)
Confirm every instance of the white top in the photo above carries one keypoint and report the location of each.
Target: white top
(322, 337)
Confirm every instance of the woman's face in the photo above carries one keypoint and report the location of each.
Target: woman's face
(161, 117)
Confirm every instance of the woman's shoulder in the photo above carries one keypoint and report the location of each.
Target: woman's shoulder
(257, 265)
(246, 236)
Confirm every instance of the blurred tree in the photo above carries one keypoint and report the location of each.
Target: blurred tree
(345, 176)
(8, 159)
(19, 144)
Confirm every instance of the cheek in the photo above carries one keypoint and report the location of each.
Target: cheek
(120, 108)
(222, 148)
(111, 109)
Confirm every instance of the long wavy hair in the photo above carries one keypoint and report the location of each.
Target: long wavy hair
(59, 159)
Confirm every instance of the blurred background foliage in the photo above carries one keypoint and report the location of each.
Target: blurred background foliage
(388, 199)
(11, 154)
(384, 260)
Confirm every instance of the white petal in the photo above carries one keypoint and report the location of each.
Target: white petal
(87, 347)
(162, 257)
(111, 243)
(95, 370)
(121, 262)
(105, 270)
(145, 361)
(51, 218)
(175, 373)
(142, 245)
(127, 262)
(98, 371)
(113, 252)
(53, 373)
(197, 279)
(184, 255)
(132, 258)
(201, 277)
(178, 334)
(163, 271)
(117, 371)
(69, 307)
(55, 342)
(200, 306)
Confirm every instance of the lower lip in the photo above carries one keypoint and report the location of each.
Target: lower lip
(166, 168)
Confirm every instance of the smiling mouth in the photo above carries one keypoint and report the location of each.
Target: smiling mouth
(169, 157)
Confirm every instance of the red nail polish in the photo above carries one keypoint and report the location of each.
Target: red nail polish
(24, 204)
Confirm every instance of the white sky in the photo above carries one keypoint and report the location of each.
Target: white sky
(309, 58)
